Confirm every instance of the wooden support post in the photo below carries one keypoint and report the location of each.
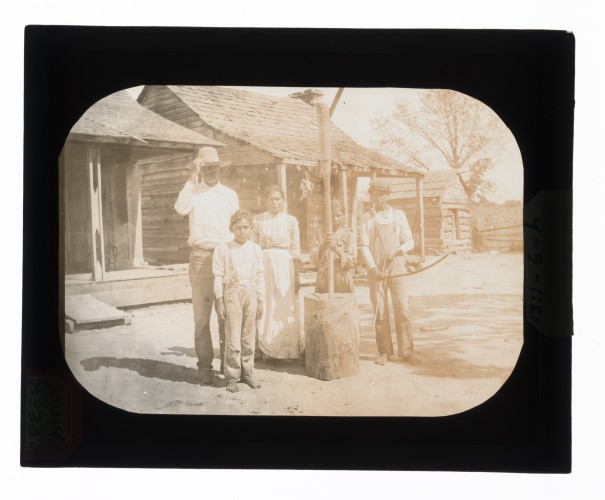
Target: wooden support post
(344, 194)
(332, 322)
(325, 153)
(354, 211)
(96, 214)
(282, 183)
(336, 99)
(135, 219)
(420, 202)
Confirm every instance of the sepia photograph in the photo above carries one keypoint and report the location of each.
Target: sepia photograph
(291, 251)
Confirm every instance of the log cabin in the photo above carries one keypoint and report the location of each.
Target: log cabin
(99, 167)
(447, 208)
(268, 140)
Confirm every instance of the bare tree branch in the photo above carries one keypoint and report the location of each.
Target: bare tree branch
(445, 124)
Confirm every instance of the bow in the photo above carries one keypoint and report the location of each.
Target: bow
(420, 269)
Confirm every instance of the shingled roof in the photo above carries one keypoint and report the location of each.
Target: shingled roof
(433, 185)
(285, 127)
(119, 119)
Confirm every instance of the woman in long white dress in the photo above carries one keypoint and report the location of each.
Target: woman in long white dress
(279, 332)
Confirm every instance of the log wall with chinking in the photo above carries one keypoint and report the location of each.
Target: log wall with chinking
(165, 232)
(440, 221)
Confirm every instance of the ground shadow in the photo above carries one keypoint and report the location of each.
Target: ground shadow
(149, 368)
(447, 326)
(181, 351)
(291, 366)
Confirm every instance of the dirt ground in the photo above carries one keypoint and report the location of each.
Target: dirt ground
(468, 333)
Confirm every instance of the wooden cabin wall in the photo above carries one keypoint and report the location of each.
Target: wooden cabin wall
(165, 232)
(455, 195)
(456, 218)
(297, 204)
(432, 221)
(250, 182)
(456, 239)
(115, 167)
(315, 219)
(162, 100)
(76, 209)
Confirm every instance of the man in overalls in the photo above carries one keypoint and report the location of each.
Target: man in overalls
(385, 238)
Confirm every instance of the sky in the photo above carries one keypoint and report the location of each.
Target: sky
(357, 107)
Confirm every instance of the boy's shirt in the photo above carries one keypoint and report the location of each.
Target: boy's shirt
(233, 263)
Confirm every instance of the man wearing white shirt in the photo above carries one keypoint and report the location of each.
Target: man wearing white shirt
(209, 205)
(385, 238)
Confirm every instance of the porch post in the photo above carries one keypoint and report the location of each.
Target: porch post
(344, 194)
(282, 183)
(96, 213)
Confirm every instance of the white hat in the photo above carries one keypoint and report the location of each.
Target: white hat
(208, 156)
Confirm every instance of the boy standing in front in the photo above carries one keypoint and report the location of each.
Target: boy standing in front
(239, 289)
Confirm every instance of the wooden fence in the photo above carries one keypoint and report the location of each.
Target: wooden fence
(508, 238)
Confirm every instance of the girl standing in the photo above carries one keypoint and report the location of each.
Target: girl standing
(277, 233)
(342, 243)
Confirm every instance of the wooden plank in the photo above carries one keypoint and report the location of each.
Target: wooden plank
(177, 166)
(164, 177)
(157, 215)
(194, 123)
(163, 189)
(161, 258)
(159, 201)
(167, 231)
(146, 295)
(88, 312)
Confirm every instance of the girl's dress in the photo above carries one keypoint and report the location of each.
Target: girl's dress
(279, 331)
(343, 267)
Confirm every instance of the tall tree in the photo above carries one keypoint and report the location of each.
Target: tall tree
(448, 127)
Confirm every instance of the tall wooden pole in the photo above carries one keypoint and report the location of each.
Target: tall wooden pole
(344, 195)
(325, 154)
(336, 99)
(283, 183)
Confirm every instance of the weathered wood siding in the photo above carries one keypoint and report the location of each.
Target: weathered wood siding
(456, 229)
(455, 194)
(115, 167)
(76, 209)
(250, 183)
(502, 238)
(446, 219)
(165, 232)
(433, 220)
(161, 100)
